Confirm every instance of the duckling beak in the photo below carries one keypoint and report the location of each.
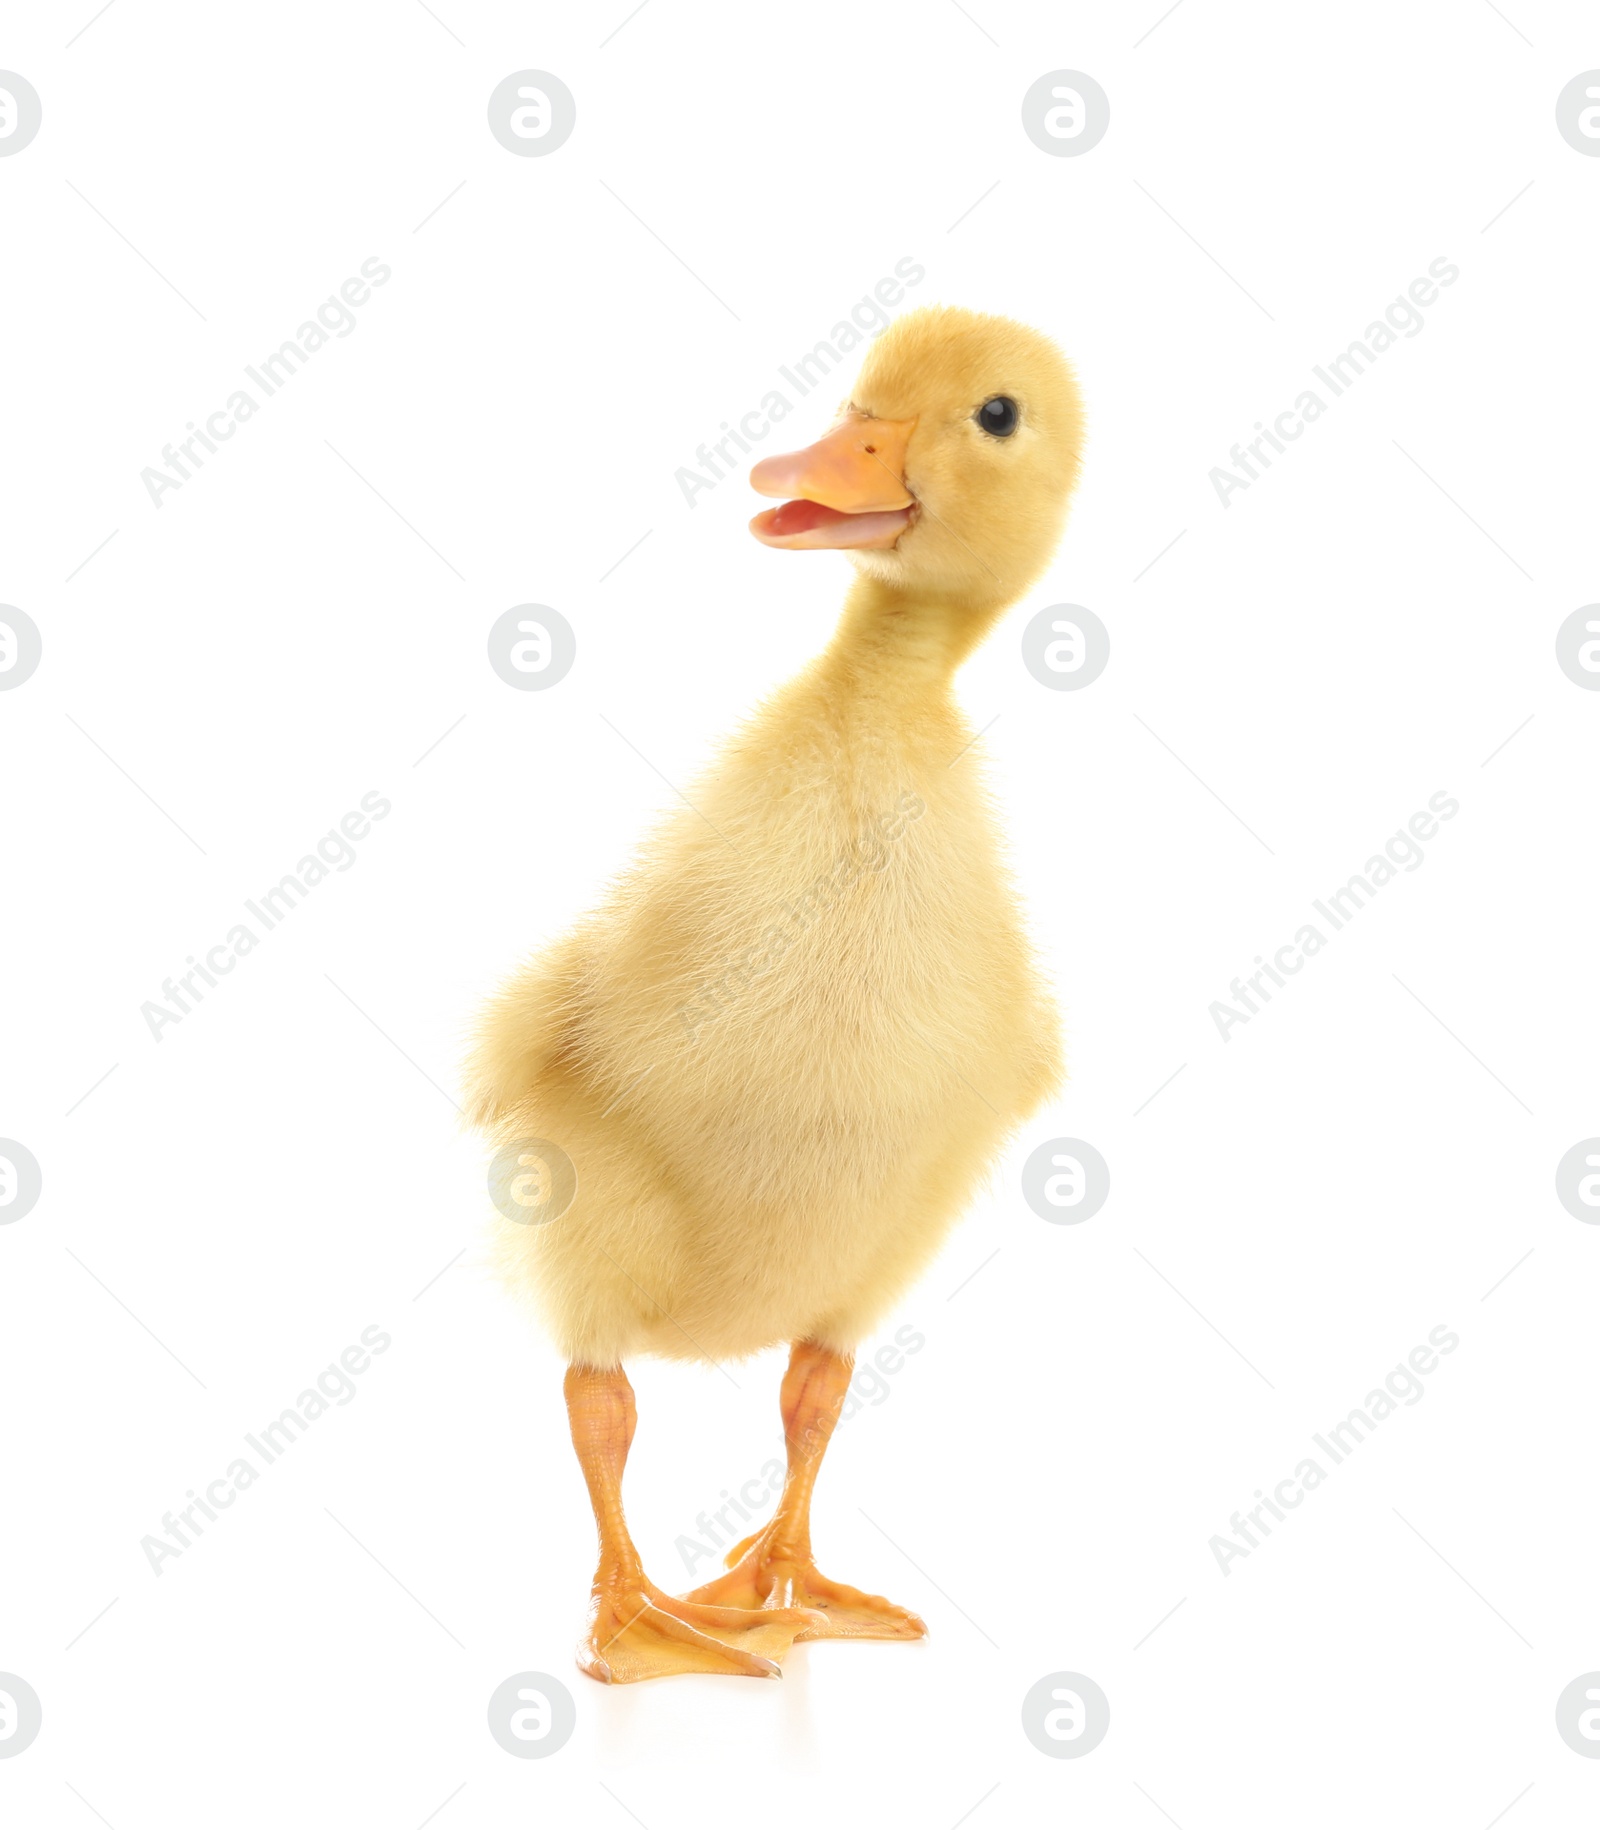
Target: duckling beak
(847, 490)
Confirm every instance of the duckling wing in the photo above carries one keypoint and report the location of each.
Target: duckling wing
(524, 1031)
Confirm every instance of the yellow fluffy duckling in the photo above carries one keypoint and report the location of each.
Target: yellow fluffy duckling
(795, 1036)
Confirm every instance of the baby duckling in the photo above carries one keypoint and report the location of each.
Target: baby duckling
(787, 1046)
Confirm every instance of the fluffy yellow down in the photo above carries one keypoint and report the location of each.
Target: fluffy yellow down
(794, 1037)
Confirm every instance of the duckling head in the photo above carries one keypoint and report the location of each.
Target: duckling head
(948, 472)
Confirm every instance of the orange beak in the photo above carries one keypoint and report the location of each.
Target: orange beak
(847, 490)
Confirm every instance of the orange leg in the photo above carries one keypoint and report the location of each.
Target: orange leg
(775, 1568)
(635, 1629)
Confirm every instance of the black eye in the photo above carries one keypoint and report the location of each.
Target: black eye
(999, 416)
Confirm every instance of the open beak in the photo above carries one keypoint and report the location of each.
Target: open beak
(847, 490)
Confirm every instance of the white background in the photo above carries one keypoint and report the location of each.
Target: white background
(283, 1168)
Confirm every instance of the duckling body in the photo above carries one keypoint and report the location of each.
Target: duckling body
(795, 1035)
(793, 1039)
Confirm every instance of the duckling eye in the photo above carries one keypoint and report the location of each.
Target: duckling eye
(998, 416)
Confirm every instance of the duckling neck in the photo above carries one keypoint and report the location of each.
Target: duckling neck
(895, 646)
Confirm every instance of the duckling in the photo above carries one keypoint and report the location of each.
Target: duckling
(786, 1047)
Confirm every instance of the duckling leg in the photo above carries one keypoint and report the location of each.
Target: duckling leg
(775, 1568)
(635, 1629)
